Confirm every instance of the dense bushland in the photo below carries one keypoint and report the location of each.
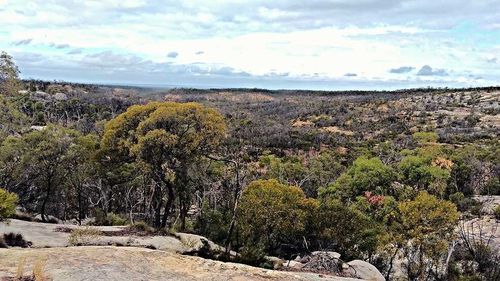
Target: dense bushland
(378, 176)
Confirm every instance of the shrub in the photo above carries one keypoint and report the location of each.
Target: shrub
(8, 203)
(141, 226)
(83, 236)
(265, 199)
(110, 219)
(114, 219)
(15, 240)
(425, 137)
(214, 225)
(253, 255)
(496, 212)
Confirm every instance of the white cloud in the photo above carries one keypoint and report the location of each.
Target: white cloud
(315, 40)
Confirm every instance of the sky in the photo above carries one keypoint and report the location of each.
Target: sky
(294, 44)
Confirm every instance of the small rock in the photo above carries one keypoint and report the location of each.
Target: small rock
(275, 261)
(60, 97)
(333, 255)
(294, 264)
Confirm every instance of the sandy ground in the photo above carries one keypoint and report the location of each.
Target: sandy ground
(132, 263)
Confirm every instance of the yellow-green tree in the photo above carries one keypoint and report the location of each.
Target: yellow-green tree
(8, 203)
(164, 138)
(427, 225)
(271, 214)
(426, 168)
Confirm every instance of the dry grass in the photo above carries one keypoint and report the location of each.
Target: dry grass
(39, 270)
(83, 236)
(20, 268)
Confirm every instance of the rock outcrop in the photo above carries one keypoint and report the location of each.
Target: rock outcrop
(364, 270)
(134, 264)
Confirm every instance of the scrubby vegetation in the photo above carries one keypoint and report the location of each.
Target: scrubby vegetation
(8, 203)
(385, 177)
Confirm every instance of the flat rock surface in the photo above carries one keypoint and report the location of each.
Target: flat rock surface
(131, 263)
(45, 235)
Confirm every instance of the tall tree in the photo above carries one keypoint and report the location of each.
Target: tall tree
(9, 75)
(164, 138)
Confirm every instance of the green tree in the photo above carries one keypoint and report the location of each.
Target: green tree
(426, 169)
(11, 119)
(8, 203)
(9, 75)
(36, 165)
(427, 225)
(345, 229)
(271, 214)
(163, 138)
(365, 174)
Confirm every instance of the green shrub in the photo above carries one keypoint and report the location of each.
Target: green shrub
(265, 199)
(8, 203)
(141, 226)
(253, 255)
(109, 219)
(115, 219)
(214, 225)
(425, 137)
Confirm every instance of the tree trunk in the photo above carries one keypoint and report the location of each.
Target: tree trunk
(183, 213)
(44, 204)
(391, 264)
(157, 204)
(168, 206)
(235, 208)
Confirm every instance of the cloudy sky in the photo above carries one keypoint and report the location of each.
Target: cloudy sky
(315, 44)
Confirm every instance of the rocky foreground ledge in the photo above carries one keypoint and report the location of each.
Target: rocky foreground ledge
(133, 263)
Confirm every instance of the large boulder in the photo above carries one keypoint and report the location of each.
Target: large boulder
(196, 245)
(364, 270)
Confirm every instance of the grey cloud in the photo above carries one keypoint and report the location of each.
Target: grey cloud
(173, 55)
(492, 60)
(235, 17)
(199, 53)
(426, 70)
(59, 46)
(278, 74)
(402, 69)
(350, 75)
(23, 42)
(74, 52)
(111, 60)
